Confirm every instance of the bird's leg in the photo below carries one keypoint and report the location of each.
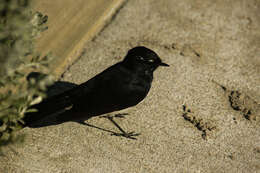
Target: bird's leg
(123, 133)
(90, 125)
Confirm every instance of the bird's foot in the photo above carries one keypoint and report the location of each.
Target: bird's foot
(130, 135)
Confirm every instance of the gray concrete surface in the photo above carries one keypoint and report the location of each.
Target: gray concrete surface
(213, 49)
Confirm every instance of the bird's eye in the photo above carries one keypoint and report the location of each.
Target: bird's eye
(140, 58)
(151, 60)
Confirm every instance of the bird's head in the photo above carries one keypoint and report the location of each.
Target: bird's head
(142, 57)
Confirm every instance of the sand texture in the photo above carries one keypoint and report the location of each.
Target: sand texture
(202, 113)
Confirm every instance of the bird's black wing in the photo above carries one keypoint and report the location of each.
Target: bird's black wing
(84, 97)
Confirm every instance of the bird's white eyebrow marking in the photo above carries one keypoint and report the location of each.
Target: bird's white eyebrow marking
(151, 60)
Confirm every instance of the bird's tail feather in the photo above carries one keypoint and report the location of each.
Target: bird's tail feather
(48, 107)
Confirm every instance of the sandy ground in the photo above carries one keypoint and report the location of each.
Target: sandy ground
(202, 114)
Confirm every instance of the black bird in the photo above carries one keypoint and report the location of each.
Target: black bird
(120, 86)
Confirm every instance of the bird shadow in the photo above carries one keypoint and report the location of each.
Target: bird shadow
(59, 87)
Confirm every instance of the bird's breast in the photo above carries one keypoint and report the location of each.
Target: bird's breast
(137, 90)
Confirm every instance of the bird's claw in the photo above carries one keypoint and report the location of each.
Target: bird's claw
(129, 135)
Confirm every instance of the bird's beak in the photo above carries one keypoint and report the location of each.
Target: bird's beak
(164, 64)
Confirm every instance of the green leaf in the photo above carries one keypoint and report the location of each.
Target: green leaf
(31, 110)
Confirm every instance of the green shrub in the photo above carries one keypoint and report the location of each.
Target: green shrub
(19, 27)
